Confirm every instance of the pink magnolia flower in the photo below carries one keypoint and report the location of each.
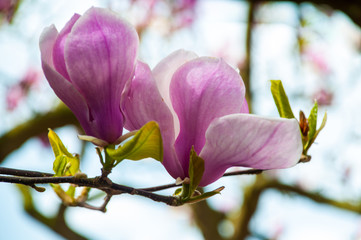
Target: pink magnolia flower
(88, 65)
(19, 91)
(7, 9)
(323, 97)
(6, 4)
(199, 101)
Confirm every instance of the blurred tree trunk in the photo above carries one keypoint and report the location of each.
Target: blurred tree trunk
(351, 8)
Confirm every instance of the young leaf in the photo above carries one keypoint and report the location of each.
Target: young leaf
(196, 170)
(66, 166)
(281, 99)
(57, 145)
(147, 142)
(59, 165)
(312, 121)
(65, 163)
(204, 196)
(323, 124)
(177, 192)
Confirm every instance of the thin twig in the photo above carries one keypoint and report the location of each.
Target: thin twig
(23, 173)
(159, 188)
(31, 178)
(99, 183)
(102, 208)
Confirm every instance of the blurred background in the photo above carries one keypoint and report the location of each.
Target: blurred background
(313, 47)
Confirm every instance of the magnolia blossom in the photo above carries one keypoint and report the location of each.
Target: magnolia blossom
(88, 64)
(7, 9)
(199, 101)
(19, 91)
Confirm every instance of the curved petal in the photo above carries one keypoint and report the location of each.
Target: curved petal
(244, 108)
(143, 104)
(250, 141)
(62, 87)
(202, 90)
(58, 49)
(100, 54)
(163, 73)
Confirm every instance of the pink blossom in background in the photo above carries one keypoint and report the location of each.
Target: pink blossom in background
(7, 9)
(44, 140)
(318, 60)
(184, 12)
(323, 97)
(5, 5)
(13, 97)
(175, 14)
(198, 102)
(88, 65)
(19, 92)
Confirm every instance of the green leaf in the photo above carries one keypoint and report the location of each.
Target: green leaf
(323, 124)
(147, 142)
(59, 165)
(314, 136)
(281, 99)
(204, 196)
(57, 145)
(312, 122)
(65, 164)
(177, 192)
(196, 170)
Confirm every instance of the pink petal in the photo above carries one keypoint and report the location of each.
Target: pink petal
(250, 141)
(244, 108)
(143, 104)
(100, 55)
(202, 90)
(62, 87)
(163, 73)
(58, 49)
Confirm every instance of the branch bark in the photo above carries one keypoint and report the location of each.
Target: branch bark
(13, 139)
(351, 8)
(56, 223)
(253, 193)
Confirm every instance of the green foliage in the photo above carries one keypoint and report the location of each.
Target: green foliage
(313, 131)
(188, 193)
(308, 127)
(196, 170)
(147, 142)
(312, 121)
(65, 164)
(281, 99)
(204, 196)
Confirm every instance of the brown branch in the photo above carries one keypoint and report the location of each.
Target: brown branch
(159, 188)
(13, 139)
(251, 198)
(23, 173)
(314, 196)
(246, 69)
(56, 223)
(208, 220)
(102, 208)
(253, 193)
(106, 186)
(31, 178)
(351, 8)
